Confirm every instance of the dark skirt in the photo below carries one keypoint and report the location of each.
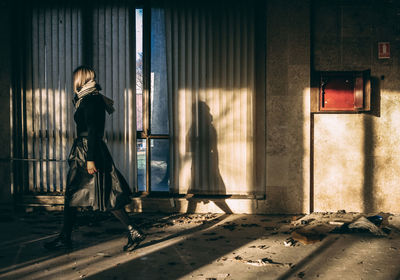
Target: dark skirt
(105, 190)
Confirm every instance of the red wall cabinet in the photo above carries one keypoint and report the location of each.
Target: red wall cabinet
(345, 91)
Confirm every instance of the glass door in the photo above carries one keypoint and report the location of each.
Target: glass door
(153, 147)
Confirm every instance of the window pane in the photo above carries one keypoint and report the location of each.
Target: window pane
(139, 69)
(159, 164)
(158, 90)
(141, 163)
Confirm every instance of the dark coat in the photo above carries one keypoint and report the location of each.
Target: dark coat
(107, 189)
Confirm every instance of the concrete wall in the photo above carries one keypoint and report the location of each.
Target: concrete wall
(5, 82)
(287, 106)
(357, 156)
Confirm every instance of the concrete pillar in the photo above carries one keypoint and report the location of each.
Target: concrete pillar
(288, 113)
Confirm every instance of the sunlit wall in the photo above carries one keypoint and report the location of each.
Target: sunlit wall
(287, 107)
(356, 157)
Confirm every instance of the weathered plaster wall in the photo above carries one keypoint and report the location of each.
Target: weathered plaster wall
(357, 156)
(288, 124)
(5, 79)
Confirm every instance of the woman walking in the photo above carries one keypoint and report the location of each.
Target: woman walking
(93, 180)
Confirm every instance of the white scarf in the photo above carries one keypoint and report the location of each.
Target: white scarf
(91, 87)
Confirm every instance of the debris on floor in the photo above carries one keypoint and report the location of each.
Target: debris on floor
(316, 226)
(308, 235)
(290, 242)
(265, 262)
(259, 262)
(105, 255)
(376, 220)
(336, 223)
(301, 274)
(180, 219)
(394, 222)
(230, 226)
(306, 222)
(205, 246)
(363, 224)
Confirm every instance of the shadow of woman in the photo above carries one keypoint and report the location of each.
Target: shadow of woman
(201, 143)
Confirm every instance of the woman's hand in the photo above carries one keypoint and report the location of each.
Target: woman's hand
(91, 167)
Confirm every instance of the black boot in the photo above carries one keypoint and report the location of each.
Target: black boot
(135, 237)
(60, 242)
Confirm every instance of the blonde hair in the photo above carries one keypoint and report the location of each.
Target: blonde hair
(81, 76)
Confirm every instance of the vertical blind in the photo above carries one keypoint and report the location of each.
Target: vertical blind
(113, 41)
(44, 128)
(54, 49)
(211, 80)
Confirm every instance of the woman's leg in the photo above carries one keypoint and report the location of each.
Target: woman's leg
(122, 216)
(135, 235)
(69, 221)
(63, 240)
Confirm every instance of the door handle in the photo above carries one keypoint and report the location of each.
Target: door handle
(323, 93)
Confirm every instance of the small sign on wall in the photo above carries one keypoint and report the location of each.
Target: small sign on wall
(383, 50)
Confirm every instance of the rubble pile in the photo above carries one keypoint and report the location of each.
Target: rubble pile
(316, 226)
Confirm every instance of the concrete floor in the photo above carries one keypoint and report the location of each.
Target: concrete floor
(192, 246)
